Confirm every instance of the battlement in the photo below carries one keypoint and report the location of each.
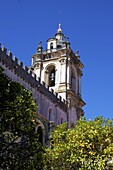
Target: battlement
(16, 66)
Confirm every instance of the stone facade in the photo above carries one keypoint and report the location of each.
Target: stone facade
(54, 79)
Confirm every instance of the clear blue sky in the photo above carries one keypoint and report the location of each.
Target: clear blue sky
(88, 23)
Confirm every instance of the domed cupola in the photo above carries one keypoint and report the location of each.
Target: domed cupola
(58, 42)
(59, 35)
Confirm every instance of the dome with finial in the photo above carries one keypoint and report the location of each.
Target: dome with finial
(39, 48)
(59, 28)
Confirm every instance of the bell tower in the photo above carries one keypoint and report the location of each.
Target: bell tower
(61, 69)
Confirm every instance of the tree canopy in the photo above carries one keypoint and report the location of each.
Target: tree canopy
(19, 146)
(89, 145)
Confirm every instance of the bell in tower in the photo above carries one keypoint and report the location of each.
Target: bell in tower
(52, 78)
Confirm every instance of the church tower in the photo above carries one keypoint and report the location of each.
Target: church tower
(61, 69)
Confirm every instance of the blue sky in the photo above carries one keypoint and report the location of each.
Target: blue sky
(89, 25)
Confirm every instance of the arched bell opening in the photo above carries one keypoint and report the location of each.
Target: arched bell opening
(50, 75)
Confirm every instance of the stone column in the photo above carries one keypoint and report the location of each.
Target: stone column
(46, 77)
(63, 71)
(79, 81)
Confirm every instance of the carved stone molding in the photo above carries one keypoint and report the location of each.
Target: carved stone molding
(79, 72)
(36, 66)
(47, 72)
(62, 61)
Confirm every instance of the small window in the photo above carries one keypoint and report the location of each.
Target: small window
(51, 45)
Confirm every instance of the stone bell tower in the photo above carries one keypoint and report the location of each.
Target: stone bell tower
(61, 69)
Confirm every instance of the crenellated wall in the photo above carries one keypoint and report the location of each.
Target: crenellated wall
(17, 72)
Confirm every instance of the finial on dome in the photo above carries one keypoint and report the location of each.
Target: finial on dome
(59, 28)
(39, 48)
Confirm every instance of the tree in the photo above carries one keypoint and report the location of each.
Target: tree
(19, 146)
(89, 145)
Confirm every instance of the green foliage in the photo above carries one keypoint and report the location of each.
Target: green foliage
(89, 145)
(19, 146)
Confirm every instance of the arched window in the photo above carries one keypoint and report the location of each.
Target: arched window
(50, 75)
(51, 45)
(50, 115)
(40, 129)
(62, 120)
(73, 80)
(40, 137)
